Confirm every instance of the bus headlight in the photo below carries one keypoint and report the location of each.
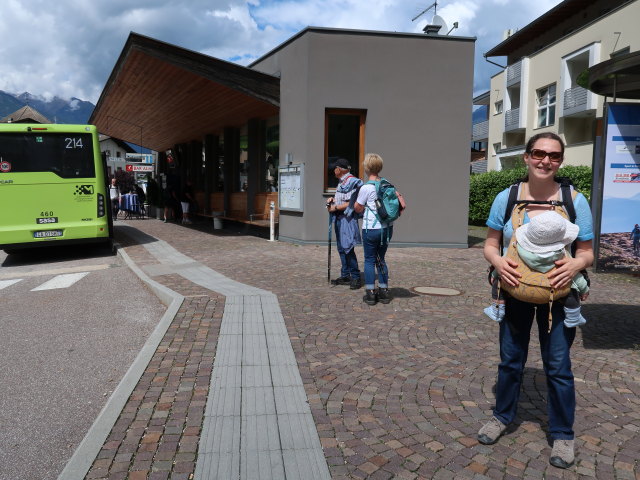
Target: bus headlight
(101, 207)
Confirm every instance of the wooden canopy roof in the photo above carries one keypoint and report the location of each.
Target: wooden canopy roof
(159, 95)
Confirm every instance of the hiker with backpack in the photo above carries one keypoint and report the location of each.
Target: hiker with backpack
(540, 243)
(377, 228)
(540, 192)
(635, 237)
(346, 224)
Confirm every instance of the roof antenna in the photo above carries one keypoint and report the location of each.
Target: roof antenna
(434, 4)
(437, 22)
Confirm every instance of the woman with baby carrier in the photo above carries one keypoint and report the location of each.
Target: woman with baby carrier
(543, 156)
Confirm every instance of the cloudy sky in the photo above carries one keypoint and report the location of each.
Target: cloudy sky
(69, 47)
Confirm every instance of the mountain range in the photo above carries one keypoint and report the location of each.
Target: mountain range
(58, 110)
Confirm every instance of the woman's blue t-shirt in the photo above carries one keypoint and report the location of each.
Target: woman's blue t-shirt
(496, 217)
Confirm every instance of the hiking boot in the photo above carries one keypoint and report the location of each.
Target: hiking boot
(341, 281)
(562, 455)
(370, 297)
(383, 295)
(491, 431)
(356, 283)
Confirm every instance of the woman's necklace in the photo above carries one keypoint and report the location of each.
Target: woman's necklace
(546, 197)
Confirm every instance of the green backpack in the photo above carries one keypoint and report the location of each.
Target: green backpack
(389, 202)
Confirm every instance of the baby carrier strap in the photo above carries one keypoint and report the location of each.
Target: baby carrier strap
(568, 195)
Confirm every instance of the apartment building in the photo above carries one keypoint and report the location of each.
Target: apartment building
(539, 90)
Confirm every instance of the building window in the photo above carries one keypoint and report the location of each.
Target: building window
(622, 51)
(219, 175)
(118, 154)
(344, 138)
(498, 107)
(496, 148)
(546, 106)
(269, 175)
(243, 171)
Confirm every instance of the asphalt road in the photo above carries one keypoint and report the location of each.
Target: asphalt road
(63, 350)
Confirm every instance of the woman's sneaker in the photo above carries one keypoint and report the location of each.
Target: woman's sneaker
(383, 295)
(491, 431)
(370, 297)
(562, 455)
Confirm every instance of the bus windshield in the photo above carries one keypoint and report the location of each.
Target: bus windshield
(68, 155)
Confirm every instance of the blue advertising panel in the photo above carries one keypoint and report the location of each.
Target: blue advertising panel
(619, 246)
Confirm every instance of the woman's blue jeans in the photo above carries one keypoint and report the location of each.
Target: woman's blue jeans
(374, 244)
(555, 347)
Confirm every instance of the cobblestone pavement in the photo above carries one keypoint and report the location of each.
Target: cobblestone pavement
(397, 390)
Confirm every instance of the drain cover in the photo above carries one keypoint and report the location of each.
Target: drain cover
(437, 291)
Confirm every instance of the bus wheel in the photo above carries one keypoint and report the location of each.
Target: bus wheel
(111, 247)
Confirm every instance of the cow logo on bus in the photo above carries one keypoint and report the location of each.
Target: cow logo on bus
(5, 166)
(84, 190)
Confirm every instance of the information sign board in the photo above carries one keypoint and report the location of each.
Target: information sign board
(291, 187)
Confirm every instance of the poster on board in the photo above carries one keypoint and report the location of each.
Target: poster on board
(619, 245)
(290, 193)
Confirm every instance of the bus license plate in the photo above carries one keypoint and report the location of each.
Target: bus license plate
(47, 234)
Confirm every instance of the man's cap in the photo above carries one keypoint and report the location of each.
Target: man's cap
(340, 162)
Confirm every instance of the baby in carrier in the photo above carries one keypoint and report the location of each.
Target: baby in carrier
(540, 243)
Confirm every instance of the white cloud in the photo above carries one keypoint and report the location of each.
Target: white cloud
(78, 42)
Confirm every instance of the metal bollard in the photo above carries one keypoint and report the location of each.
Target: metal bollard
(272, 221)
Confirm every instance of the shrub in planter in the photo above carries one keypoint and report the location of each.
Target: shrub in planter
(484, 187)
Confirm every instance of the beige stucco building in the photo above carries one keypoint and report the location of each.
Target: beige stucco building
(539, 91)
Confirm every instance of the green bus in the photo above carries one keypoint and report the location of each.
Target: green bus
(53, 186)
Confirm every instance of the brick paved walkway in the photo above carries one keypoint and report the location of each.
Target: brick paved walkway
(397, 390)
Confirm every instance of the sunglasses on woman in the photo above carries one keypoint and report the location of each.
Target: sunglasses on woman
(537, 154)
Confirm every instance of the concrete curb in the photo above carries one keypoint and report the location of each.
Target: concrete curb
(79, 464)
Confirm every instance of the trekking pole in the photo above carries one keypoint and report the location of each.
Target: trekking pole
(381, 268)
(329, 252)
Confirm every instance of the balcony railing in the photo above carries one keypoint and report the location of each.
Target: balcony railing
(512, 119)
(514, 73)
(480, 131)
(575, 100)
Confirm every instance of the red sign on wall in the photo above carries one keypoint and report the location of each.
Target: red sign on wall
(138, 168)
